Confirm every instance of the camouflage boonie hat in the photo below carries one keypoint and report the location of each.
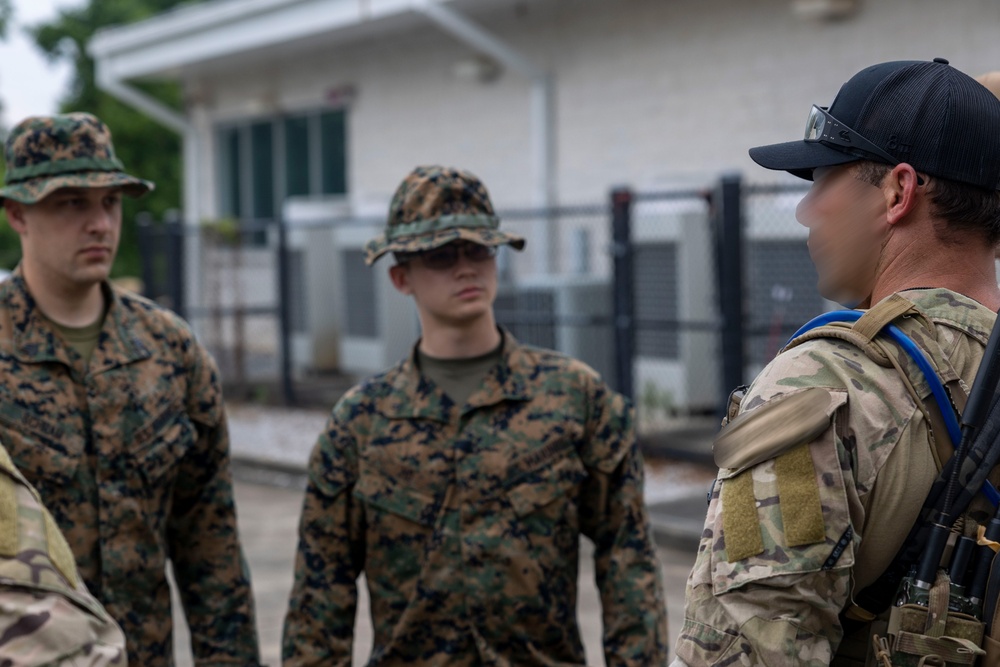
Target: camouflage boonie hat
(45, 153)
(436, 205)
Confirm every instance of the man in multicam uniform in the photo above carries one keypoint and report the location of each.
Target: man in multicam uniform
(111, 408)
(826, 467)
(460, 480)
(47, 616)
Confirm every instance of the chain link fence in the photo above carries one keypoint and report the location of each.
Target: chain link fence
(672, 296)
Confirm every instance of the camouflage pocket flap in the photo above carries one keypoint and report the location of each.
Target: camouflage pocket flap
(379, 493)
(160, 442)
(546, 484)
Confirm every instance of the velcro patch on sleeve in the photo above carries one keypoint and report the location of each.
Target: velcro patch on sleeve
(798, 489)
(59, 551)
(8, 517)
(740, 525)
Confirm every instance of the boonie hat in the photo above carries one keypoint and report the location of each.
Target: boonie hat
(436, 205)
(74, 150)
(929, 115)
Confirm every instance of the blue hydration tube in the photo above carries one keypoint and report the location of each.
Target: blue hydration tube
(937, 389)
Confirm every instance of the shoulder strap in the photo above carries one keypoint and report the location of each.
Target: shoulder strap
(862, 330)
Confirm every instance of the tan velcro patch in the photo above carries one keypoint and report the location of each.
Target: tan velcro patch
(59, 551)
(740, 525)
(798, 493)
(8, 517)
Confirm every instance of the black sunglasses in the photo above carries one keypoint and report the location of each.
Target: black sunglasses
(446, 257)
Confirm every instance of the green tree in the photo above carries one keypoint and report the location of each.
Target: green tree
(6, 14)
(10, 246)
(148, 149)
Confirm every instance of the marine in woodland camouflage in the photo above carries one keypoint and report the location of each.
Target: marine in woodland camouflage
(780, 606)
(466, 522)
(47, 616)
(45, 153)
(131, 456)
(436, 205)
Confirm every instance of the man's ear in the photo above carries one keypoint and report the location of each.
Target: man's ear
(400, 276)
(900, 190)
(15, 215)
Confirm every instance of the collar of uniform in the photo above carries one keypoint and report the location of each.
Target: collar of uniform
(414, 396)
(958, 311)
(35, 341)
(119, 344)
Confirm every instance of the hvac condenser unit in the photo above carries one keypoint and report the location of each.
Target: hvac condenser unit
(314, 327)
(781, 292)
(377, 325)
(570, 314)
(674, 279)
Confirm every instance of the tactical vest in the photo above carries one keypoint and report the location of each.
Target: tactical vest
(929, 633)
(46, 614)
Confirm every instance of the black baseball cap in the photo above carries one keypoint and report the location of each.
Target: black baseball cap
(929, 115)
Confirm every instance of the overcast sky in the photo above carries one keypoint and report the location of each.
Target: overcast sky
(29, 85)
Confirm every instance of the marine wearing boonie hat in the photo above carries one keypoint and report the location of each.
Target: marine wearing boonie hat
(74, 150)
(436, 205)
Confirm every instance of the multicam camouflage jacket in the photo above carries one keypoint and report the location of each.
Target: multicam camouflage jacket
(466, 522)
(131, 456)
(787, 541)
(47, 616)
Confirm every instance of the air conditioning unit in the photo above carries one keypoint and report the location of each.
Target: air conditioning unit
(570, 314)
(781, 281)
(313, 313)
(377, 326)
(676, 369)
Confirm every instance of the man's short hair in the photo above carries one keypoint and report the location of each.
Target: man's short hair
(965, 209)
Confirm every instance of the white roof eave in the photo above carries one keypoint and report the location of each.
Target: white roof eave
(192, 35)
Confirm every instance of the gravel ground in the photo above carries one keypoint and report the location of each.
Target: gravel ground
(272, 434)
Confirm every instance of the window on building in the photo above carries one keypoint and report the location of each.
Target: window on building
(297, 156)
(265, 160)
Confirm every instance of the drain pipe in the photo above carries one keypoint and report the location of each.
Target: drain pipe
(176, 121)
(542, 116)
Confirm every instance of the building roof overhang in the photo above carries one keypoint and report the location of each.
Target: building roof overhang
(192, 37)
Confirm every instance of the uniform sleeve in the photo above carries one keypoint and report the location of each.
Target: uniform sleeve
(319, 627)
(209, 566)
(773, 569)
(614, 516)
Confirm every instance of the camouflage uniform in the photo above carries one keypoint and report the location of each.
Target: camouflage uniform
(873, 464)
(466, 519)
(130, 453)
(47, 617)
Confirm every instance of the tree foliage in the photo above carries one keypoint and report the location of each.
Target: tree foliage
(6, 13)
(147, 149)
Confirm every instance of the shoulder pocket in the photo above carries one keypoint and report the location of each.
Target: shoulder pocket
(773, 521)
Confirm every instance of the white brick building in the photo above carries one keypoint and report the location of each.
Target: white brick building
(549, 101)
(646, 92)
